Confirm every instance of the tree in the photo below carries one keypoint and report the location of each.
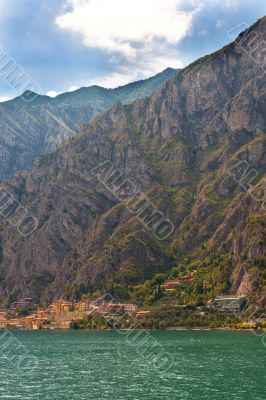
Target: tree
(200, 288)
(158, 292)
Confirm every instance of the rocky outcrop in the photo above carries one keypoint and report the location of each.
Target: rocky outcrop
(191, 149)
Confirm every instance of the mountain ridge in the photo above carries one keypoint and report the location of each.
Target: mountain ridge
(181, 148)
(29, 129)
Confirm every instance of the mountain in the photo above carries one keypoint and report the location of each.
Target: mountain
(195, 149)
(28, 129)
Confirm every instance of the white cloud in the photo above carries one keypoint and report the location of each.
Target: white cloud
(138, 34)
(4, 98)
(129, 73)
(52, 93)
(113, 80)
(72, 88)
(115, 25)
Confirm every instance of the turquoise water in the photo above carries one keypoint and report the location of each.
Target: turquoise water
(107, 365)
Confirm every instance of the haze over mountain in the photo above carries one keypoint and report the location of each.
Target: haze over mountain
(28, 129)
(181, 147)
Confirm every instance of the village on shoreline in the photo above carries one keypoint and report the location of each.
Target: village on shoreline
(63, 314)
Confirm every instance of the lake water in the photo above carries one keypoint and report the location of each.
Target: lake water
(209, 365)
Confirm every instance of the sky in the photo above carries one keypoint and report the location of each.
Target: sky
(62, 45)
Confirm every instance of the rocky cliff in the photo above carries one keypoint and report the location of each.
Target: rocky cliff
(31, 125)
(194, 151)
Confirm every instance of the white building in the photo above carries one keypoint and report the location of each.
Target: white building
(228, 303)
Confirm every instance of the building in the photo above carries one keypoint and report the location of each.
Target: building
(170, 286)
(3, 322)
(16, 323)
(228, 303)
(27, 300)
(61, 306)
(38, 323)
(83, 305)
(21, 304)
(120, 308)
(186, 278)
(142, 314)
(28, 321)
(42, 313)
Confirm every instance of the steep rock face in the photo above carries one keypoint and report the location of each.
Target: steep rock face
(190, 148)
(40, 124)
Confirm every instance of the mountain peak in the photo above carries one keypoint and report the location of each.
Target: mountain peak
(29, 95)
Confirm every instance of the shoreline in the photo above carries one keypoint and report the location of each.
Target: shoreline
(174, 328)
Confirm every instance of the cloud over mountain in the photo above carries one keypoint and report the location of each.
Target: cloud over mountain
(131, 32)
(125, 26)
